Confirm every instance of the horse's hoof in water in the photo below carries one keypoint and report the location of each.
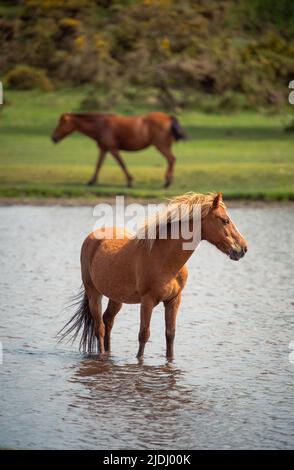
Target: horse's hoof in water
(170, 358)
(90, 183)
(103, 356)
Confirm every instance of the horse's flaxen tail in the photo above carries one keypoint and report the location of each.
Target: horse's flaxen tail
(81, 321)
(177, 131)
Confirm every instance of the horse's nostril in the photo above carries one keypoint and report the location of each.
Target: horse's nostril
(245, 249)
(234, 254)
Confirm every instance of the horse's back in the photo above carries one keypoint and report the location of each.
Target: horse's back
(108, 237)
(136, 132)
(130, 132)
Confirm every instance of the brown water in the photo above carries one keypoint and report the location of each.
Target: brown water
(231, 385)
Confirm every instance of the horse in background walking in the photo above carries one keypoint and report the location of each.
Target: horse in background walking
(113, 133)
(129, 269)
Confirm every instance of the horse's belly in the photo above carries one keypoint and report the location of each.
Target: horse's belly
(113, 274)
(132, 148)
(113, 288)
(133, 134)
(133, 145)
(116, 286)
(122, 297)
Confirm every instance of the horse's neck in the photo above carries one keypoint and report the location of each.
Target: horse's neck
(89, 127)
(173, 254)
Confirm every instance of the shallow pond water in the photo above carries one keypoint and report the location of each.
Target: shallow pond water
(230, 386)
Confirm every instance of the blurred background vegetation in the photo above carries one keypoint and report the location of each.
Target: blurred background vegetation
(223, 66)
(225, 54)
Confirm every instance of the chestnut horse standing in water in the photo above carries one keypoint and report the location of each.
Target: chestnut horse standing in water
(133, 270)
(113, 133)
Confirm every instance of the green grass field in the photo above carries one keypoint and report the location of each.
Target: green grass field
(244, 155)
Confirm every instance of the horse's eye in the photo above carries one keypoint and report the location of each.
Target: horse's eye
(226, 221)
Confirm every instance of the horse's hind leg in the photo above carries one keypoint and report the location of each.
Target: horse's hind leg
(108, 318)
(95, 305)
(165, 150)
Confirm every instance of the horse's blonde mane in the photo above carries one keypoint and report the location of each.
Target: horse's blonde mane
(186, 202)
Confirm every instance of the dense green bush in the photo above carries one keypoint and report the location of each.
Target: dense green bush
(24, 77)
(178, 48)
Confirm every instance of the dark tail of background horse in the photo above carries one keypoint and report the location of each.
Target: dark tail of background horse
(81, 321)
(177, 130)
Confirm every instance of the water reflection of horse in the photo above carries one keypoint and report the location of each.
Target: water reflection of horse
(135, 380)
(114, 133)
(128, 269)
(159, 390)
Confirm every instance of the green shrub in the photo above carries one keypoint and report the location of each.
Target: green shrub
(91, 102)
(232, 101)
(24, 77)
(239, 53)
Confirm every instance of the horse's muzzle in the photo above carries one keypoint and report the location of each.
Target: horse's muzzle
(54, 139)
(236, 254)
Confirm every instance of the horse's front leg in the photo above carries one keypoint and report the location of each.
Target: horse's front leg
(100, 160)
(147, 305)
(121, 163)
(171, 310)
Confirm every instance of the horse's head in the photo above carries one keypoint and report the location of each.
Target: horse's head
(218, 229)
(65, 127)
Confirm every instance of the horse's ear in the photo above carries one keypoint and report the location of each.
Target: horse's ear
(66, 117)
(217, 200)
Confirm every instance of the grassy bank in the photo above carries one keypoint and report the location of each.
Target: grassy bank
(245, 155)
